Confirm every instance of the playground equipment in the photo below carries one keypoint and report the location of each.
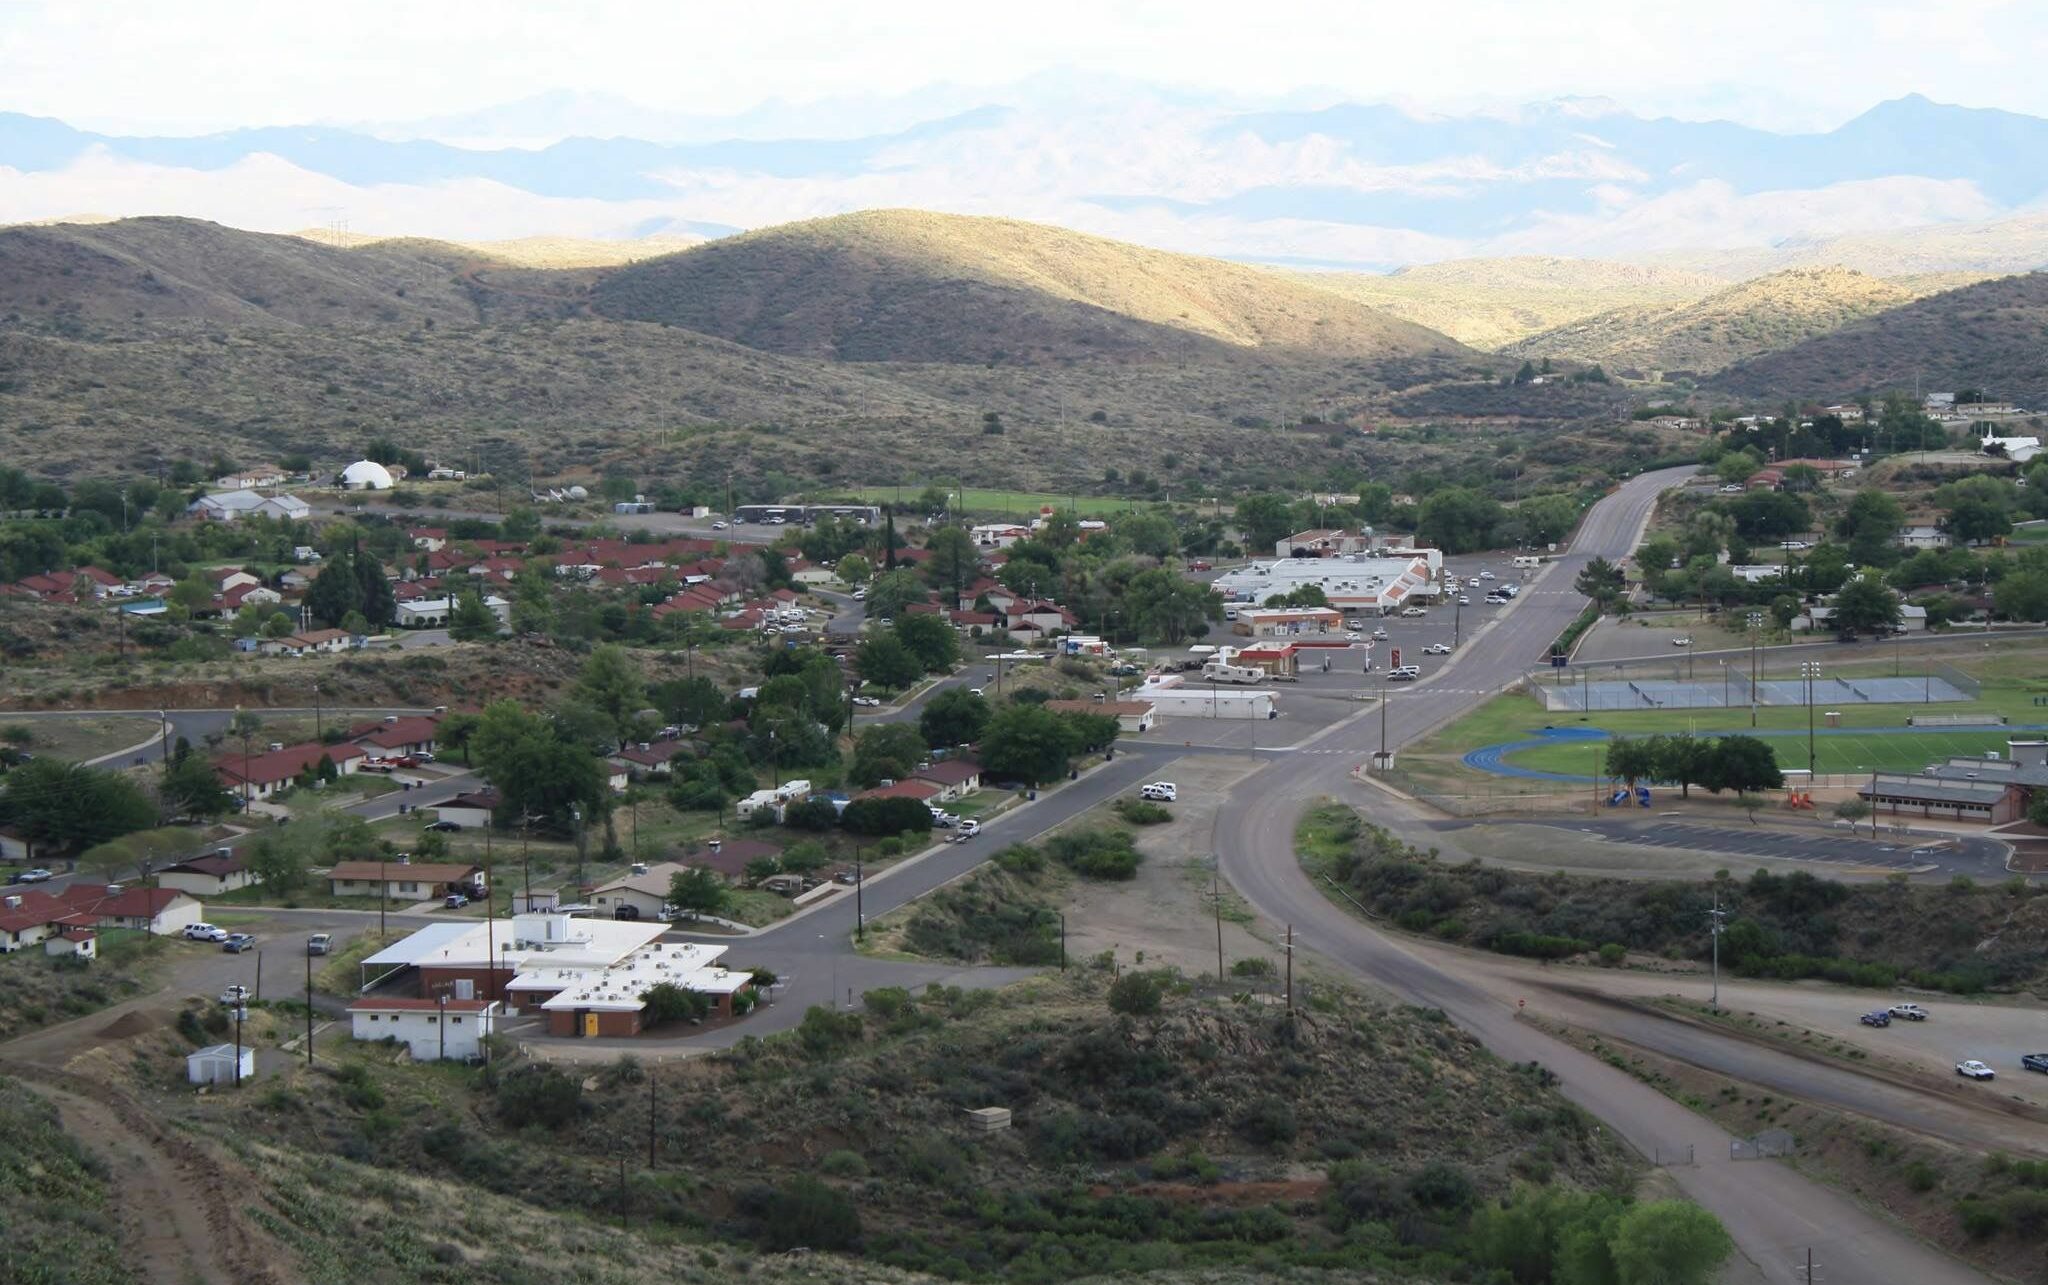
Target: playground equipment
(1799, 800)
(1619, 799)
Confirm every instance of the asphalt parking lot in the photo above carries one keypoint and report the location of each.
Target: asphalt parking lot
(1947, 855)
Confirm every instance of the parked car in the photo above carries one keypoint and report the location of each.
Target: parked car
(1437, 649)
(442, 827)
(423, 757)
(1733, 488)
(626, 912)
(320, 944)
(237, 994)
(1200, 565)
(1464, 600)
(236, 943)
(1412, 612)
(1911, 1012)
(969, 828)
(1160, 792)
(976, 691)
(1684, 640)
(1487, 575)
(2034, 1061)
(37, 875)
(1972, 1069)
(205, 932)
(860, 595)
(455, 901)
(718, 525)
(1878, 1018)
(865, 701)
(376, 765)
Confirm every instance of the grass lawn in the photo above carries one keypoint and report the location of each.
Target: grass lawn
(1889, 752)
(78, 739)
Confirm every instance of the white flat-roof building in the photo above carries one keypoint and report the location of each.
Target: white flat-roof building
(1173, 696)
(433, 1029)
(433, 613)
(1351, 583)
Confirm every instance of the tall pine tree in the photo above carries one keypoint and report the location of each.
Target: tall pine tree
(375, 599)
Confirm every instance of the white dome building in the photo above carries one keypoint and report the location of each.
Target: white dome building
(366, 475)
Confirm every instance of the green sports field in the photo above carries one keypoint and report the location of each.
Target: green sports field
(1842, 751)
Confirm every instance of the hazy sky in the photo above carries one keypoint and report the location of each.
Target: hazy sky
(196, 65)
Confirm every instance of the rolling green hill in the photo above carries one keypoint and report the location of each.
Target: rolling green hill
(902, 285)
(1987, 336)
(1742, 321)
(1491, 303)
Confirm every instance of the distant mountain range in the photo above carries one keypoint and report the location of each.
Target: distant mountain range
(1357, 186)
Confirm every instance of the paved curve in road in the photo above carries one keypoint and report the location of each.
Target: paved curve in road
(1773, 1213)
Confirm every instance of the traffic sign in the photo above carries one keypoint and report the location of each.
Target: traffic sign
(1396, 660)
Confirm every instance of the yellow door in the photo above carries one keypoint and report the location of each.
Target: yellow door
(590, 1023)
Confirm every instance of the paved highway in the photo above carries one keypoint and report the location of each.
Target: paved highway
(1773, 1213)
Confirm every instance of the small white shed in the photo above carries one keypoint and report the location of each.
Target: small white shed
(215, 1064)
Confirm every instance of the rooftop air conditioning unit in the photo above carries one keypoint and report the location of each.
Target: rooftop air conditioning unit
(13, 903)
(275, 746)
(391, 718)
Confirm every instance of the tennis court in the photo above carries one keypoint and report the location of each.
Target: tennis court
(1733, 691)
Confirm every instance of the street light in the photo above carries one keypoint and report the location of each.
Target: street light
(1756, 625)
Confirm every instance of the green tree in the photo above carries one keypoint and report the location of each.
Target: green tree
(1669, 1242)
(1028, 743)
(1028, 576)
(892, 591)
(1458, 520)
(886, 751)
(668, 1002)
(612, 684)
(854, 569)
(192, 788)
(1168, 608)
(884, 661)
(1974, 521)
(534, 769)
(2023, 596)
(1632, 760)
(455, 731)
(809, 1214)
(695, 890)
(1265, 520)
(954, 562)
(1306, 595)
(280, 866)
(928, 637)
(886, 816)
(69, 806)
(1547, 519)
(471, 620)
(1743, 764)
(375, 599)
(1869, 525)
(1865, 606)
(955, 716)
(1137, 994)
(1601, 581)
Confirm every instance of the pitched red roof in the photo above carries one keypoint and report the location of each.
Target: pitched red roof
(129, 903)
(923, 791)
(282, 765)
(406, 731)
(950, 772)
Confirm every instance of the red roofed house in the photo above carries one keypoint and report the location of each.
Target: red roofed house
(397, 735)
(157, 911)
(985, 621)
(431, 539)
(922, 791)
(29, 915)
(266, 774)
(648, 758)
(956, 778)
(207, 876)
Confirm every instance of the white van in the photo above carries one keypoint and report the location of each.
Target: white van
(1528, 561)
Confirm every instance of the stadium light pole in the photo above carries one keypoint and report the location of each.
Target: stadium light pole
(1809, 670)
(1756, 625)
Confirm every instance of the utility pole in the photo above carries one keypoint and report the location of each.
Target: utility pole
(383, 889)
(525, 849)
(1063, 941)
(441, 1020)
(309, 1009)
(860, 914)
(1216, 900)
(1289, 948)
(1716, 925)
(650, 1116)
(1756, 624)
(241, 1007)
